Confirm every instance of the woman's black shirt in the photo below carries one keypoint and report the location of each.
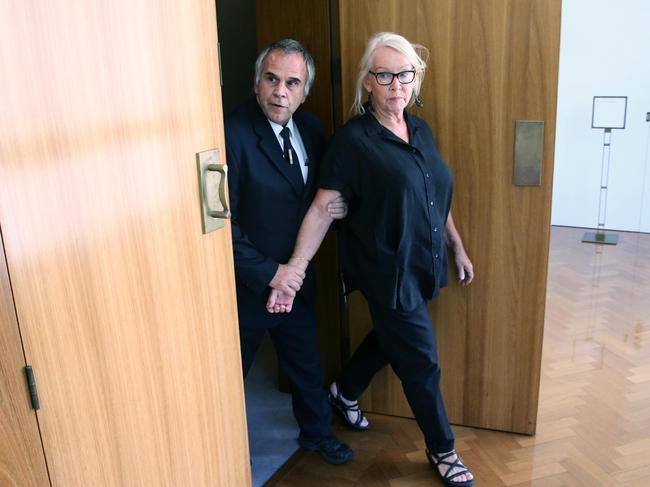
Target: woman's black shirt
(399, 196)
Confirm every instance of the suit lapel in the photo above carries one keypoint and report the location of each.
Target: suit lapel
(269, 145)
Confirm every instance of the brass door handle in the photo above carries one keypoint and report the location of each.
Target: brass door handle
(213, 177)
(223, 170)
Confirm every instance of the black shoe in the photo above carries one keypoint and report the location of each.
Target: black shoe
(342, 409)
(332, 449)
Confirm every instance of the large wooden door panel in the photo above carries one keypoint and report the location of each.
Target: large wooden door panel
(127, 311)
(492, 62)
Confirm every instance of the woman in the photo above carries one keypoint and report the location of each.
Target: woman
(387, 166)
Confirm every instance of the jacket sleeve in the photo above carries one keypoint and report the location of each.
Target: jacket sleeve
(252, 268)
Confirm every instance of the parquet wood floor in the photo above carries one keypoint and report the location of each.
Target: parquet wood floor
(594, 411)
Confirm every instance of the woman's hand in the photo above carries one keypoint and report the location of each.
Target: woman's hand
(464, 266)
(288, 279)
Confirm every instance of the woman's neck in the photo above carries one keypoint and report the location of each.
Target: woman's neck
(395, 122)
(389, 119)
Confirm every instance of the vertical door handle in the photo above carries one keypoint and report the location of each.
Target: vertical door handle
(213, 177)
(222, 169)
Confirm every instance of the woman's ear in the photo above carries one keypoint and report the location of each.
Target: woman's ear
(367, 84)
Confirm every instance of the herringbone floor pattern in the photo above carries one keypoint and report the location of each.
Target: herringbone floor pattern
(594, 412)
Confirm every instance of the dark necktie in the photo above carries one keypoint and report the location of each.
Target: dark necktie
(290, 154)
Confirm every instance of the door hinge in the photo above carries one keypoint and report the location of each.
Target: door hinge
(31, 385)
(220, 69)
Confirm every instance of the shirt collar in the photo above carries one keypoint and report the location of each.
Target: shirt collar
(373, 126)
(277, 128)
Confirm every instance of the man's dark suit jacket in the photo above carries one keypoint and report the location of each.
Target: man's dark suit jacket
(267, 204)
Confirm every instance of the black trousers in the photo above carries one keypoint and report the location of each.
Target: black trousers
(406, 341)
(295, 340)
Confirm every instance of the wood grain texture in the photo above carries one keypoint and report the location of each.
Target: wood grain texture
(127, 311)
(492, 62)
(22, 462)
(308, 23)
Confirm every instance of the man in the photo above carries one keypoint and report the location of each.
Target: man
(273, 150)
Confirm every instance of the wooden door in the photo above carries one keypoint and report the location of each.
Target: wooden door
(492, 62)
(21, 456)
(126, 310)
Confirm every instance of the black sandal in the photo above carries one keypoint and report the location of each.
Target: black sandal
(448, 477)
(341, 408)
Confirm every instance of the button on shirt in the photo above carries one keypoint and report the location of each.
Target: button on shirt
(399, 196)
(296, 142)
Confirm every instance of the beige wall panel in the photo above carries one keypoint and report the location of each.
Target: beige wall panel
(492, 62)
(127, 311)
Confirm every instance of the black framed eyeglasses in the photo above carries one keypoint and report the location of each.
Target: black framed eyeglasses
(385, 78)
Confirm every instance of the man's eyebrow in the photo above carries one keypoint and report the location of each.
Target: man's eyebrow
(295, 79)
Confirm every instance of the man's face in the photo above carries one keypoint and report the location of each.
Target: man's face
(281, 88)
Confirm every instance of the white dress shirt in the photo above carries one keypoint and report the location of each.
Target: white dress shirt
(296, 142)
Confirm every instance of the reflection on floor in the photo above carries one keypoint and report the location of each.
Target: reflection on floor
(272, 430)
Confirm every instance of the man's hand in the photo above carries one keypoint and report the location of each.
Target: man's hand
(279, 302)
(337, 208)
(287, 279)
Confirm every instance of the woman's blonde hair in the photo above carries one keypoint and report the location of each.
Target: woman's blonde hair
(413, 52)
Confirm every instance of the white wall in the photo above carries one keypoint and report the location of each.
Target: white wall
(604, 51)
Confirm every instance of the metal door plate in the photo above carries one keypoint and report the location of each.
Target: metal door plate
(529, 145)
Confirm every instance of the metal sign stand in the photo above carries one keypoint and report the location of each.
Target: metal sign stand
(608, 113)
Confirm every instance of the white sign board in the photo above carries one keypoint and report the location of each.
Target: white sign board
(609, 112)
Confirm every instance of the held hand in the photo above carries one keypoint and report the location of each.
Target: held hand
(464, 266)
(279, 302)
(337, 208)
(287, 279)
